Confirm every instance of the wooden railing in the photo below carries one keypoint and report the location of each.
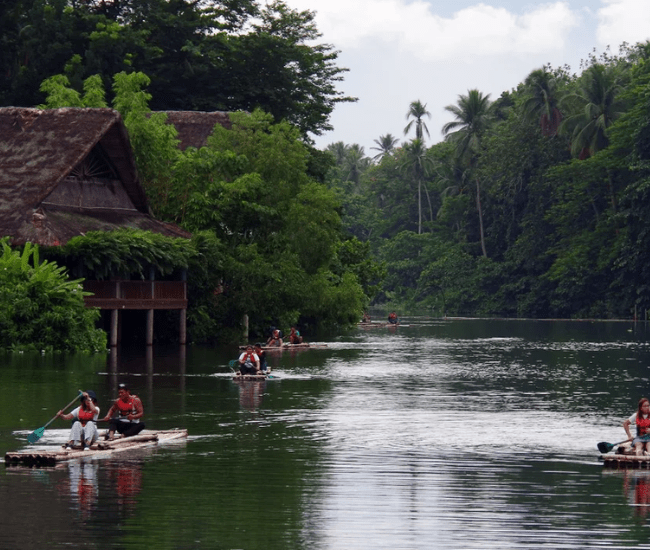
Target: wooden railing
(136, 294)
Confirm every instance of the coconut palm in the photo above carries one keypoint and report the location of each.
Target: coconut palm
(355, 163)
(339, 150)
(416, 164)
(417, 111)
(386, 145)
(542, 102)
(473, 116)
(596, 105)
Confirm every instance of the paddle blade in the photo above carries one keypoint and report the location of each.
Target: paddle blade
(605, 447)
(35, 435)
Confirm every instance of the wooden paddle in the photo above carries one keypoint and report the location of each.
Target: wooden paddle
(605, 447)
(37, 434)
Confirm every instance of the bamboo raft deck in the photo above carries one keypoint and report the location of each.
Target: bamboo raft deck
(48, 455)
(249, 377)
(618, 461)
(625, 458)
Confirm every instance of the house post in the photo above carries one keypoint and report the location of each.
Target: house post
(182, 338)
(115, 318)
(152, 277)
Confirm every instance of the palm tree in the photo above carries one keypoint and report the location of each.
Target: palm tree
(386, 145)
(473, 116)
(417, 164)
(543, 100)
(596, 106)
(417, 111)
(339, 150)
(355, 163)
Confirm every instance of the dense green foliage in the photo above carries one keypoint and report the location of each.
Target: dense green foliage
(126, 253)
(267, 236)
(535, 205)
(216, 55)
(41, 308)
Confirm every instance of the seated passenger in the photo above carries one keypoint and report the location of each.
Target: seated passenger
(129, 414)
(262, 357)
(249, 362)
(294, 336)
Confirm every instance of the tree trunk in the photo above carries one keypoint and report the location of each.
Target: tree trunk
(480, 217)
(419, 207)
(426, 190)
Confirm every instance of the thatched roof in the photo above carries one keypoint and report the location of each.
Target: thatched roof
(194, 127)
(39, 149)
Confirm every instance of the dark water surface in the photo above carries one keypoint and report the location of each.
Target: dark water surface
(440, 434)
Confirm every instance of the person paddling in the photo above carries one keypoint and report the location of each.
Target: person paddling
(275, 340)
(128, 421)
(641, 418)
(84, 427)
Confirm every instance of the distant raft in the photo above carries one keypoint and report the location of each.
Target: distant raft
(379, 324)
(286, 346)
(49, 455)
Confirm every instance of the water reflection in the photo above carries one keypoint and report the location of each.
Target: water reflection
(82, 485)
(251, 393)
(122, 479)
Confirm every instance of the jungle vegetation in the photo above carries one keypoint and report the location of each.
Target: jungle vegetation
(534, 204)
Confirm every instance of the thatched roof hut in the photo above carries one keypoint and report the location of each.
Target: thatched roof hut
(64, 172)
(194, 127)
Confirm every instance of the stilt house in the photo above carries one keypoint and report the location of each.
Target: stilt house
(64, 172)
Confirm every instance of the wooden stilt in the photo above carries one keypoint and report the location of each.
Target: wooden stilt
(114, 325)
(150, 327)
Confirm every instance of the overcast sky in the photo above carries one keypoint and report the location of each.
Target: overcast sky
(399, 51)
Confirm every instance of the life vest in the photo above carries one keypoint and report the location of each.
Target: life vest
(642, 424)
(126, 408)
(248, 358)
(84, 416)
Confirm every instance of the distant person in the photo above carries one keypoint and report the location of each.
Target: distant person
(641, 419)
(261, 354)
(365, 318)
(392, 318)
(129, 413)
(275, 339)
(249, 362)
(84, 427)
(294, 336)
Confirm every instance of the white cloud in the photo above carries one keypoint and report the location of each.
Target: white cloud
(414, 29)
(623, 21)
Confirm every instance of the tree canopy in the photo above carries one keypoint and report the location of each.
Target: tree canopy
(227, 55)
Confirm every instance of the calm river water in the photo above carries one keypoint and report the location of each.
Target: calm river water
(439, 434)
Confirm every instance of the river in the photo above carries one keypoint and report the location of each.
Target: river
(466, 434)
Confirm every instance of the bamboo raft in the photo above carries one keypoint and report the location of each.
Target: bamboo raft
(625, 458)
(285, 346)
(250, 377)
(379, 324)
(50, 455)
